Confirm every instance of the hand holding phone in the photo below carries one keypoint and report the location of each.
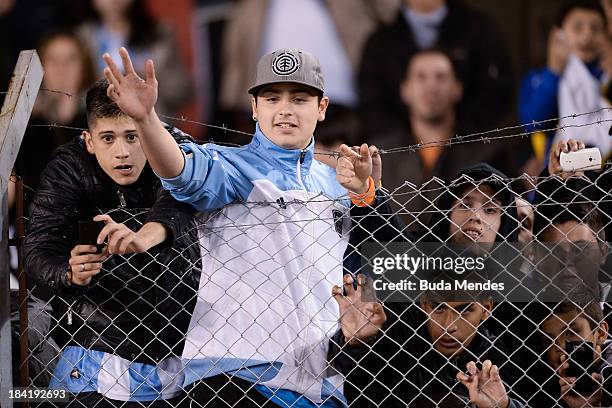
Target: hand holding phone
(88, 234)
(84, 264)
(581, 160)
(581, 358)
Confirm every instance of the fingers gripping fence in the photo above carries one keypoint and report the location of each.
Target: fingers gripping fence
(272, 299)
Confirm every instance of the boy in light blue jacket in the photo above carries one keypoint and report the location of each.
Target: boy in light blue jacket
(260, 331)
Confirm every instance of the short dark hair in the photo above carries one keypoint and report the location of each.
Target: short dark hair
(431, 50)
(591, 311)
(582, 213)
(571, 5)
(99, 105)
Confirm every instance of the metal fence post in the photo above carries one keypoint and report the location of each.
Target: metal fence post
(14, 118)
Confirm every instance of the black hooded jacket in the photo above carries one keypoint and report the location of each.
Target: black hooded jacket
(139, 305)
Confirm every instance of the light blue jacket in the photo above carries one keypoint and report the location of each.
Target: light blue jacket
(273, 235)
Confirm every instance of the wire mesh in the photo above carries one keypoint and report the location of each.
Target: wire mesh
(263, 313)
(242, 307)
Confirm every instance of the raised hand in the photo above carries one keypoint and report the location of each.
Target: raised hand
(554, 163)
(485, 386)
(360, 320)
(135, 96)
(354, 168)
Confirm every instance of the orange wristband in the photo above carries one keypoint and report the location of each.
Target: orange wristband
(365, 199)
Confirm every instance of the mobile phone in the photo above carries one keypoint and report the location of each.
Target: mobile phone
(580, 356)
(581, 160)
(88, 234)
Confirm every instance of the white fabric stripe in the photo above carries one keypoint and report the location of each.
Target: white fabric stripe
(114, 379)
(171, 375)
(271, 300)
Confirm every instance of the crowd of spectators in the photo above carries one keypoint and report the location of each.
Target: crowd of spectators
(351, 39)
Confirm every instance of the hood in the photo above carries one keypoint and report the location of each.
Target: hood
(481, 173)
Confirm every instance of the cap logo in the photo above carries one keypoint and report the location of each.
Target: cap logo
(285, 64)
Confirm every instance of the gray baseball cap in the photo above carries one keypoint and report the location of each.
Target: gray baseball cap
(289, 65)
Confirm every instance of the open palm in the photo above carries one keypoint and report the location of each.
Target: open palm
(360, 319)
(135, 96)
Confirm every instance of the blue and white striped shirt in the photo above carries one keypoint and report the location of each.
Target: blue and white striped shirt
(80, 370)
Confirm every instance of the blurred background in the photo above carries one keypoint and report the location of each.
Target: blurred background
(205, 53)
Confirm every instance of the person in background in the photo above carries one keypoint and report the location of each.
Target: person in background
(127, 23)
(333, 30)
(572, 81)
(68, 75)
(431, 92)
(472, 41)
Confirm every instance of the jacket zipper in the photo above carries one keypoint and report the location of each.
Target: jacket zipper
(121, 199)
(300, 378)
(69, 314)
(299, 169)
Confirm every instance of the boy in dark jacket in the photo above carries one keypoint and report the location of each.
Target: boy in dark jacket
(560, 323)
(448, 360)
(121, 320)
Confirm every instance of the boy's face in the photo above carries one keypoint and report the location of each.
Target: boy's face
(476, 216)
(585, 31)
(453, 325)
(115, 143)
(572, 255)
(569, 326)
(288, 113)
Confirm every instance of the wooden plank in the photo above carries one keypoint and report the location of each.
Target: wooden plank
(14, 118)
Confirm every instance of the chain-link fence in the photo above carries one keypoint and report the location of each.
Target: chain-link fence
(240, 309)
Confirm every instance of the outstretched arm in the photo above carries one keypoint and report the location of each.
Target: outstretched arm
(136, 97)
